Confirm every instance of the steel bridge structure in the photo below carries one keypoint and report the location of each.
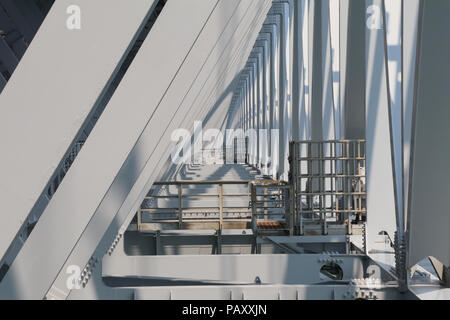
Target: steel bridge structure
(224, 149)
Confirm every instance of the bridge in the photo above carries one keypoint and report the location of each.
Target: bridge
(224, 149)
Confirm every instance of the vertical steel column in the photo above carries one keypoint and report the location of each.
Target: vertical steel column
(381, 200)
(315, 69)
(269, 29)
(247, 120)
(272, 26)
(287, 8)
(256, 60)
(251, 112)
(321, 82)
(263, 42)
(335, 43)
(254, 208)
(254, 76)
(282, 10)
(429, 181)
(352, 74)
(393, 28)
(247, 102)
(242, 104)
(298, 83)
(411, 24)
(328, 114)
(260, 106)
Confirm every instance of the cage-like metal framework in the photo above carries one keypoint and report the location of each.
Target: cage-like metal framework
(329, 182)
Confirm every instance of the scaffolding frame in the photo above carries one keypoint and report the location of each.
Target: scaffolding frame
(328, 179)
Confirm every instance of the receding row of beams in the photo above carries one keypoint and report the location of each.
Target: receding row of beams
(289, 84)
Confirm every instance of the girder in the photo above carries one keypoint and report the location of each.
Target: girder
(428, 217)
(65, 93)
(305, 81)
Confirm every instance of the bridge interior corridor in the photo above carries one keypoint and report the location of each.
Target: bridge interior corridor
(317, 167)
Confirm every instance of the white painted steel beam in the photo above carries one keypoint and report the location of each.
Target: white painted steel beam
(298, 78)
(286, 9)
(429, 180)
(393, 31)
(252, 67)
(321, 104)
(237, 269)
(263, 43)
(257, 54)
(409, 69)
(352, 68)
(335, 42)
(381, 201)
(270, 30)
(61, 88)
(282, 10)
(272, 27)
(320, 75)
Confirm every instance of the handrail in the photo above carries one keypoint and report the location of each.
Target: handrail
(213, 182)
(220, 209)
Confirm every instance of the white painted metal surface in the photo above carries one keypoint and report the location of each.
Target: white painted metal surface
(320, 77)
(394, 64)
(106, 142)
(410, 38)
(232, 269)
(381, 202)
(52, 93)
(352, 68)
(311, 74)
(429, 184)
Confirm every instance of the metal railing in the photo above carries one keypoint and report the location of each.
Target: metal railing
(272, 202)
(326, 194)
(198, 201)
